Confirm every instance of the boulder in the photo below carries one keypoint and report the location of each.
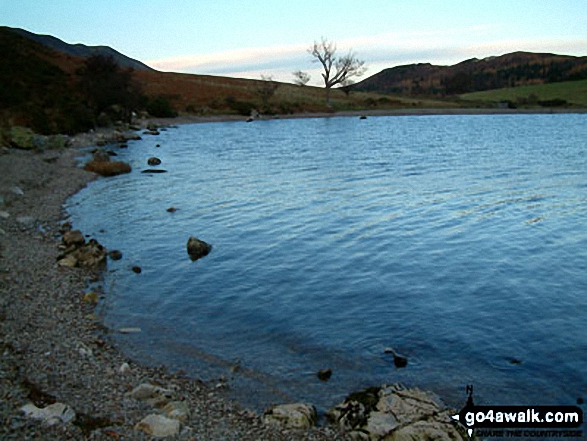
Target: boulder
(23, 138)
(158, 426)
(198, 248)
(53, 414)
(90, 255)
(73, 238)
(293, 416)
(395, 413)
(80, 254)
(107, 168)
(154, 161)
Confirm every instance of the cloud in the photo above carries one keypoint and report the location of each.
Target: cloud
(447, 46)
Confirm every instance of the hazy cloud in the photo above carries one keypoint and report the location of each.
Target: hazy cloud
(379, 51)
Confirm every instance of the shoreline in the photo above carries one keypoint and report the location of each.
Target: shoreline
(196, 119)
(55, 350)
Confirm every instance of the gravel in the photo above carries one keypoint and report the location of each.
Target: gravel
(54, 350)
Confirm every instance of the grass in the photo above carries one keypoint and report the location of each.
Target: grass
(573, 92)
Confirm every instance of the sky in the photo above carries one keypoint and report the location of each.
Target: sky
(251, 38)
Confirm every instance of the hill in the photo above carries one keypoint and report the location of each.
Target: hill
(80, 50)
(43, 79)
(510, 70)
(568, 93)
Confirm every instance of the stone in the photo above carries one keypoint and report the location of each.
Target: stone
(438, 429)
(197, 248)
(129, 330)
(23, 138)
(178, 410)
(158, 426)
(73, 238)
(124, 368)
(171, 210)
(154, 161)
(152, 171)
(90, 255)
(68, 261)
(53, 414)
(293, 416)
(91, 297)
(137, 269)
(107, 168)
(398, 360)
(26, 222)
(17, 191)
(101, 156)
(6, 214)
(324, 374)
(147, 391)
(394, 413)
(115, 255)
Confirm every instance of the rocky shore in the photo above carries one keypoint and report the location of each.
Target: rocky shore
(62, 378)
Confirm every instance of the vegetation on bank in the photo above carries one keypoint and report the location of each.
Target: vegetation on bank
(566, 94)
(52, 93)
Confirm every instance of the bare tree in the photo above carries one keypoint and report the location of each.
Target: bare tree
(336, 69)
(301, 78)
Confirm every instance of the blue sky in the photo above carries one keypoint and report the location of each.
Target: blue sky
(263, 37)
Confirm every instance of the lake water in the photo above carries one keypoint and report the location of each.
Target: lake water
(460, 241)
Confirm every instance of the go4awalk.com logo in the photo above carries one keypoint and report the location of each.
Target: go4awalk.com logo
(520, 421)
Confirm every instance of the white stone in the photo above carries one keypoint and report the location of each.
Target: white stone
(146, 391)
(50, 415)
(158, 426)
(124, 368)
(295, 416)
(178, 410)
(129, 330)
(4, 214)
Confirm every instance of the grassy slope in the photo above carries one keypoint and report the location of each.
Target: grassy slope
(201, 91)
(574, 92)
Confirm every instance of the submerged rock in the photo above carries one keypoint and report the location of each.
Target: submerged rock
(294, 416)
(154, 161)
(152, 170)
(324, 374)
(115, 255)
(198, 248)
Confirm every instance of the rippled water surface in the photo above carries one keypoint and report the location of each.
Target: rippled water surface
(460, 241)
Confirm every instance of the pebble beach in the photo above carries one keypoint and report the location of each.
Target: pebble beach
(55, 352)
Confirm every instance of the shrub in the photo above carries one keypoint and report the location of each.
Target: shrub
(160, 107)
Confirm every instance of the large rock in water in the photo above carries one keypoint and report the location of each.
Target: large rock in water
(198, 248)
(394, 413)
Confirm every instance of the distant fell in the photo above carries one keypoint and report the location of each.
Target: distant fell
(474, 75)
(81, 50)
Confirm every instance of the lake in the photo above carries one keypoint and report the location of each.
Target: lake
(458, 241)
